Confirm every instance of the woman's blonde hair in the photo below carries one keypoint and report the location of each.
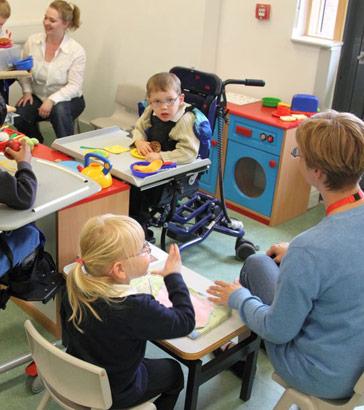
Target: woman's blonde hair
(104, 240)
(69, 13)
(5, 9)
(334, 143)
(163, 82)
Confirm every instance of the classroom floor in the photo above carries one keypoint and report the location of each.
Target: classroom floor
(214, 259)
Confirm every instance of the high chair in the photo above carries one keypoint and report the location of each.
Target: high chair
(306, 402)
(73, 383)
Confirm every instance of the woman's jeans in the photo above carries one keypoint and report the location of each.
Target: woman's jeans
(62, 117)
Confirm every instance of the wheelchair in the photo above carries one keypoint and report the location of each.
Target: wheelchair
(185, 214)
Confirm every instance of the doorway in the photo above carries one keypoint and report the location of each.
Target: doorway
(349, 88)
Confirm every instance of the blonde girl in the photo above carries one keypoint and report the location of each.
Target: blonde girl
(108, 323)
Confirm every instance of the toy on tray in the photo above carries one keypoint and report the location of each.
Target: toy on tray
(7, 134)
(97, 172)
(144, 169)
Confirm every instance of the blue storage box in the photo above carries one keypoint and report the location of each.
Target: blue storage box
(304, 103)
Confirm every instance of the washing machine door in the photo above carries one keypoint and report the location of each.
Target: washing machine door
(250, 177)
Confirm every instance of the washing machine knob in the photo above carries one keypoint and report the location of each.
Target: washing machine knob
(272, 163)
(214, 143)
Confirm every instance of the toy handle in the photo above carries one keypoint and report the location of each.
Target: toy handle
(107, 166)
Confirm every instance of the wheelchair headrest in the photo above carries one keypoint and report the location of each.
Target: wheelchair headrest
(198, 82)
(201, 89)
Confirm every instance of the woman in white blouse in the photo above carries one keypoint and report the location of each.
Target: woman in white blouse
(54, 92)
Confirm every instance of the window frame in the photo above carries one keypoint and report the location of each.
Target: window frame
(339, 21)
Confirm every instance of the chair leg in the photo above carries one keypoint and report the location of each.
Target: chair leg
(44, 400)
(292, 396)
(77, 128)
(284, 403)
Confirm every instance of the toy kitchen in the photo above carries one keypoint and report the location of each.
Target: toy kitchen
(261, 178)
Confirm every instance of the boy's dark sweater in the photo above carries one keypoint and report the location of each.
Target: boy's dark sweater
(18, 191)
(118, 342)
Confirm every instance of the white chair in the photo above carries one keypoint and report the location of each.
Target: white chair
(126, 108)
(306, 402)
(73, 383)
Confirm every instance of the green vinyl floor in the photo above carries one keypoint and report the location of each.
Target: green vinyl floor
(215, 259)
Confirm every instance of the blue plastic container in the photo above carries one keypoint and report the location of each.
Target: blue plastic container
(25, 64)
(304, 103)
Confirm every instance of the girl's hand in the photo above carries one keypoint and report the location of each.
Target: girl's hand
(143, 147)
(46, 108)
(27, 97)
(173, 263)
(152, 156)
(222, 291)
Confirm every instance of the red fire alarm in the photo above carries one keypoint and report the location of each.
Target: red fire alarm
(262, 11)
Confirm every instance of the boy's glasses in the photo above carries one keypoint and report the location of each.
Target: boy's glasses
(168, 102)
(295, 153)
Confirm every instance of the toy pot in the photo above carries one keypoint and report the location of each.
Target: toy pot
(98, 172)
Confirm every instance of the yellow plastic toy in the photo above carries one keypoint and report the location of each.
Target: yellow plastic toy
(152, 167)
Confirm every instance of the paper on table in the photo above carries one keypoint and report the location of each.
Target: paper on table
(154, 284)
(202, 307)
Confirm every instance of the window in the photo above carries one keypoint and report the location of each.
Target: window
(321, 19)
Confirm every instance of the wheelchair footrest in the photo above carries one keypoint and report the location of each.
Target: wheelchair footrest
(41, 290)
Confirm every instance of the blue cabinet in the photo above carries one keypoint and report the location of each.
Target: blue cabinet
(261, 179)
(251, 166)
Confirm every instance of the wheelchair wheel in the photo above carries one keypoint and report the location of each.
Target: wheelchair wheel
(34, 384)
(243, 249)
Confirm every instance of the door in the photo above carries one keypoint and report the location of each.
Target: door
(349, 88)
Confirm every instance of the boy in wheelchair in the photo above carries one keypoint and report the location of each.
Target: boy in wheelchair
(171, 127)
(22, 247)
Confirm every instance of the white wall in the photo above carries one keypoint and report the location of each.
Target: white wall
(251, 48)
(127, 41)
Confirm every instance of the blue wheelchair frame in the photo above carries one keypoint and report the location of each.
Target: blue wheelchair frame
(205, 91)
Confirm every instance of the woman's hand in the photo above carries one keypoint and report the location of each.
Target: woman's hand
(152, 156)
(277, 251)
(222, 291)
(143, 147)
(173, 263)
(46, 108)
(27, 97)
(23, 154)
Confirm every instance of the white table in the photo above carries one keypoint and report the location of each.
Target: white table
(190, 352)
(121, 162)
(58, 187)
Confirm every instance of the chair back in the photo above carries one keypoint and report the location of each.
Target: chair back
(70, 381)
(128, 95)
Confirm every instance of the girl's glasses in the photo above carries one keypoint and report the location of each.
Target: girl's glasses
(146, 250)
(168, 102)
(295, 153)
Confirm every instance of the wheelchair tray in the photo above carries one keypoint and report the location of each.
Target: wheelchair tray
(121, 162)
(58, 187)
